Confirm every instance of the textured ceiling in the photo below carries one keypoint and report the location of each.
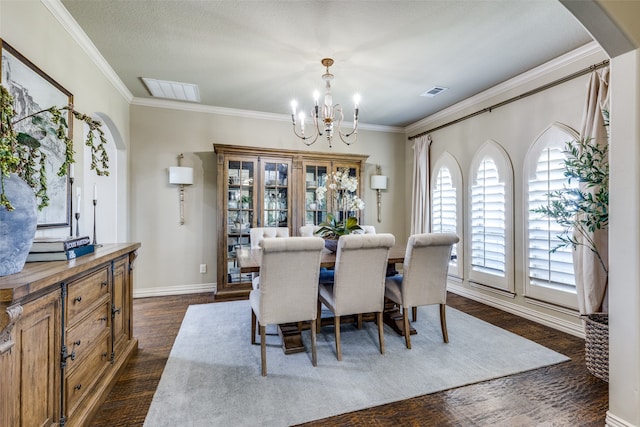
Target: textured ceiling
(258, 55)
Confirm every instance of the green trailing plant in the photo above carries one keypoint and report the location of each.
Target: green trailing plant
(20, 152)
(582, 211)
(332, 228)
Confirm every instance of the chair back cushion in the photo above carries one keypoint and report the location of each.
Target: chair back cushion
(289, 273)
(258, 233)
(426, 265)
(361, 265)
(309, 230)
(366, 229)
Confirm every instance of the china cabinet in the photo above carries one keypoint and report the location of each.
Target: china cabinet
(260, 187)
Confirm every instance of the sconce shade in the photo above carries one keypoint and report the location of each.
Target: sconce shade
(180, 175)
(378, 182)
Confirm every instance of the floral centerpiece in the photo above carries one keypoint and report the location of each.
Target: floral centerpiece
(342, 188)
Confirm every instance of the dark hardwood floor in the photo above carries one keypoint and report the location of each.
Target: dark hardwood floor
(559, 395)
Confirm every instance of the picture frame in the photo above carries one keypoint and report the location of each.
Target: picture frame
(34, 90)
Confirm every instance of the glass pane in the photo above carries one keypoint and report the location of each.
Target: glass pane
(315, 208)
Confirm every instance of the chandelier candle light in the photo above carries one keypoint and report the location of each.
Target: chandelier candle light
(328, 115)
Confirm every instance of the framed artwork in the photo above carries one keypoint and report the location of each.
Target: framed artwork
(33, 90)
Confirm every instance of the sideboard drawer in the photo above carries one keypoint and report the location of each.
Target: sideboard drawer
(82, 336)
(81, 380)
(86, 291)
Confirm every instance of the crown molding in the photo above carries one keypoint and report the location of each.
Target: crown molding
(63, 16)
(522, 79)
(208, 109)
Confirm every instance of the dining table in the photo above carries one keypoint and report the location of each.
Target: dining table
(249, 261)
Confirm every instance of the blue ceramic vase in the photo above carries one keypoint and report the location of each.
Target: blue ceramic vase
(18, 227)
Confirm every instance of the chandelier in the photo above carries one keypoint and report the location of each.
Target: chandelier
(327, 115)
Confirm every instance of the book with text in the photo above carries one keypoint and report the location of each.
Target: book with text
(60, 256)
(57, 244)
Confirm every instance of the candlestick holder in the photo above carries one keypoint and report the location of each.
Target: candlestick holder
(77, 224)
(71, 179)
(95, 240)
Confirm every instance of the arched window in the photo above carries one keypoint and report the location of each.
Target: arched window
(549, 274)
(491, 218)
(446, 206)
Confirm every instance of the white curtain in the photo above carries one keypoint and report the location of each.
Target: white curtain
(591, 278)
(420, 195)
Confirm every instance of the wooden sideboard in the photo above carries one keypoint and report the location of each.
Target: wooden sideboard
(66, 332)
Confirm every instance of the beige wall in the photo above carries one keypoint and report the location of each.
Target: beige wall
(173, 253)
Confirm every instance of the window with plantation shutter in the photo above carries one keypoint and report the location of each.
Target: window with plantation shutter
(550, 276)
(491, 213)
(446, 206)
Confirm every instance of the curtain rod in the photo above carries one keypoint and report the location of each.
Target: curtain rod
(582, 72)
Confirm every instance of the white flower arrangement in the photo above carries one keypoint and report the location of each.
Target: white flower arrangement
(343, 188)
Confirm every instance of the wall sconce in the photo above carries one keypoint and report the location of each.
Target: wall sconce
(181, 176)
(378, 182)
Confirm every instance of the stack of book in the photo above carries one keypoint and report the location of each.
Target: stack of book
(57, 249)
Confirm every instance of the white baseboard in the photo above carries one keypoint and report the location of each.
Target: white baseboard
(175, 290)
(613, 421)
(519, 310)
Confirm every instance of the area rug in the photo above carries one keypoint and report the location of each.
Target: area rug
(212, 377)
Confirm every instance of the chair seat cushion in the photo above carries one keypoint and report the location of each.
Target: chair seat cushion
(393, 288)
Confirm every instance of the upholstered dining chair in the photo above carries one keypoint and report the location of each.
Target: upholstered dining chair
(256, 234)
(309, 230)
(358, 286)
(424, 277)
(288, 289)
(366, 229)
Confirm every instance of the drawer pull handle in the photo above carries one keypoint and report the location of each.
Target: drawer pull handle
(103, 284)
(103, 319)
(104, 355)
(77, 299)
(78, 387)
(116, 310)
(76, 343)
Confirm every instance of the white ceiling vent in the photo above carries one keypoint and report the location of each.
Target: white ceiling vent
(172, 90)
(434, 91)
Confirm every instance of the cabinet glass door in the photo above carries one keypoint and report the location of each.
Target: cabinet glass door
(315, 208)
(275, 197)
(240, 214)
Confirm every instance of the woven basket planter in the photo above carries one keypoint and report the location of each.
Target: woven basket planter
(597, 344)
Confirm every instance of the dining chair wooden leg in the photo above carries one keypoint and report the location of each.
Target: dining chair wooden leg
(314, 356)
(336, 323)
(359, 321)
(380, 331)
(253, 327)
(414, 313)
(263, 349)
(443, 322)
(319, 320)
(407, 330)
